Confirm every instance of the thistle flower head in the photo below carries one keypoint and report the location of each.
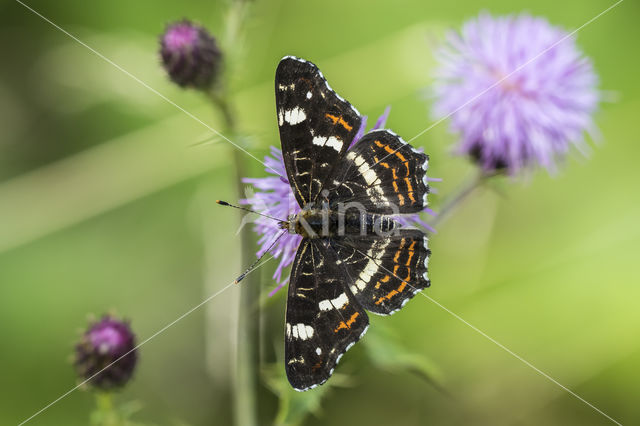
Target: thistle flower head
(274, 197)
(105, 342)
(190, 55)
(518, 90)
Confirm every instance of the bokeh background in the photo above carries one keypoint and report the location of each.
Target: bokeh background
(106, 204)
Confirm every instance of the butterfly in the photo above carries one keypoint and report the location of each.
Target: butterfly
(353, 256)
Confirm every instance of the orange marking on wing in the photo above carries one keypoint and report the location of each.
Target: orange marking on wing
(385, 165)
(410, 189)
(409, 259)
(395, 186)
(347, 324)
(392, 293)
(393, 172)
(413, 244)
(395, 258)
(387, 296)
(339, 120)
(380, 144)
(387, 148)
(401, 157)
(332, 117)
(385, 279)
(401, 199)
(409, 186)
(404, 282)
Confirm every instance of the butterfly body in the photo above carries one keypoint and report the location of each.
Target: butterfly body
(327, 223)
(353, 256)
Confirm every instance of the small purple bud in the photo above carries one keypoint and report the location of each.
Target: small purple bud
(190, 55)
(104, 343)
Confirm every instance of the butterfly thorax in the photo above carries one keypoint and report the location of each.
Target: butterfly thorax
(328, 222)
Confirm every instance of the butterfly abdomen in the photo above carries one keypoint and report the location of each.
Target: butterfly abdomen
(327, 223)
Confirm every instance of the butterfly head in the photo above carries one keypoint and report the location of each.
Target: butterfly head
(298, 224)
(286, 224)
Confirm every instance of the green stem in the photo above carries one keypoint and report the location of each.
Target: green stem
(459, 196)
(247, 361)
(245, 400)
(105, 415)
(104, 401)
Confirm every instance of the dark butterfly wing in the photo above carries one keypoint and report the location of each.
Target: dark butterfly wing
(385, 272)
(316, 126)
(323, 319)
(384, 174)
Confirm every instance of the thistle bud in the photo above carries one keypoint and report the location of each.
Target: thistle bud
(108, 344)
(190, 55)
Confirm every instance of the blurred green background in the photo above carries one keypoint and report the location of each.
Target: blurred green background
(106, 204)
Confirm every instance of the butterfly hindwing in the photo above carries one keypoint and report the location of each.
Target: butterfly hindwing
(383, 174)
(316, 126)
(385, 272)
(323, 318)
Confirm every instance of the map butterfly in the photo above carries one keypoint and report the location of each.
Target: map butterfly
(350, 260)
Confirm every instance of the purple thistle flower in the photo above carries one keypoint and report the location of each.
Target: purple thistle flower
(103, 343)
(275, 198)
(531, 117)
(190, 55)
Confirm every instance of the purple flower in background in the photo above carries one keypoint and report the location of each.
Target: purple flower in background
(275, 198)
(527, 117)
(104, 343)
(189, 55)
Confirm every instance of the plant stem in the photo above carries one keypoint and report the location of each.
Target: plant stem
(246, 374)
(245, 403)
(247, 359)
(104, 402)
(105, 414)
(459, 196)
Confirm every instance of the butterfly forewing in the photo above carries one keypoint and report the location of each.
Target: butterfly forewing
(323, 318)
(316, 126)
(383, 174)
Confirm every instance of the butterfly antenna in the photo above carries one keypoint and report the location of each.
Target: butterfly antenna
(253, 265)
(224, 203)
